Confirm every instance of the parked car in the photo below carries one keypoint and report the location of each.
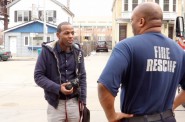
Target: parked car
(101, 45)
(5, 55)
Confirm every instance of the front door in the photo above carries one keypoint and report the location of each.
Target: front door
(170, 31)
(13, 45)
(122, 32)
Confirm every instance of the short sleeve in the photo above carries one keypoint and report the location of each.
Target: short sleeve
(115, 69)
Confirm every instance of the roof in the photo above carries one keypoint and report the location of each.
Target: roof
(63, 7)
(35, 26)
(55, 1)
(12, 3)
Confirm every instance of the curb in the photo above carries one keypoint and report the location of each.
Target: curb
(23, 59)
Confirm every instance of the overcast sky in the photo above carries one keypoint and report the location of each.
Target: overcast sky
(91, 7)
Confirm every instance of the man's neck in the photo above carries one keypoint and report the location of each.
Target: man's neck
(66, 48)
(153, 29)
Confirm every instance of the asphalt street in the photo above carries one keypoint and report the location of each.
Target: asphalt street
(21, 100)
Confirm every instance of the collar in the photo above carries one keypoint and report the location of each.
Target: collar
(59, 49)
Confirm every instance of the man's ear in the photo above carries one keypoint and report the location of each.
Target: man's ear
(58, 34)
(142, 22)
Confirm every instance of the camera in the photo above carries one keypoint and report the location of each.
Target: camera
(73, 83)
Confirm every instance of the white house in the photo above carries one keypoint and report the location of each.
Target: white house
(27, 27)
(21, 11)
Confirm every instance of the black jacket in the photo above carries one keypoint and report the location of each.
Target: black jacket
(47, 74)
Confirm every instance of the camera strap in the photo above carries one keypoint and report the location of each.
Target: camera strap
(78, 59)
(78, 63)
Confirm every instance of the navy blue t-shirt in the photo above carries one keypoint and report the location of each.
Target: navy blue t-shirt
(148, 68)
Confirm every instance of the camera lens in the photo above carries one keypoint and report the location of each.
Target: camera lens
(68, 87)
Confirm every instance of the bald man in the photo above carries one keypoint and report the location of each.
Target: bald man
(147, 68)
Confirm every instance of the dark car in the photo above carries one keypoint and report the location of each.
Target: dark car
(5, 55)
(101, 45)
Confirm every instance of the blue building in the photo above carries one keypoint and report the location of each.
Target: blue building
(25, 39)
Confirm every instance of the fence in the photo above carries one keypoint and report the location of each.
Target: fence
(88, 47)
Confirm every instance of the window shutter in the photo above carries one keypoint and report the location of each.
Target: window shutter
(30, 16)
(54, 16)
(15, 16)
(40, 15)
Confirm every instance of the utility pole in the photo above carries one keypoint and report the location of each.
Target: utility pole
(183, 8)
(44, 25)
(68, 4)
(5, 16)
(3, 12)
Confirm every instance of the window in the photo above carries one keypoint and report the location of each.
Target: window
(157, 1)
(134, 4)
(87, 37)
(26, 16)
(26, 41)
(174, 5)
(101, 38)
(19, 16)
(50, 15)
(122, 32)
(37, 41)
(125, 5)
(166, 5)
(22, 16)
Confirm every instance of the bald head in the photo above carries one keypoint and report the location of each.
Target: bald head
(149, 10)
(148, 16)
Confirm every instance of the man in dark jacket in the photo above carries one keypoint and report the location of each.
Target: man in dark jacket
(59, 67)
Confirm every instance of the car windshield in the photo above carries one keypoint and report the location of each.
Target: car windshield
(101, 43)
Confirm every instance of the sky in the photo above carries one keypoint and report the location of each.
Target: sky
(91, 7)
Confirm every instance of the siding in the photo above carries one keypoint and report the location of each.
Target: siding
(34, 28)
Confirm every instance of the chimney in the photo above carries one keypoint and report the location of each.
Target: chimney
(68, 4)
(34, 12)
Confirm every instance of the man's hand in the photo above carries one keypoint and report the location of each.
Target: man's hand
(64, 90)
(107, 102)
(118, 116)
(179, 99)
